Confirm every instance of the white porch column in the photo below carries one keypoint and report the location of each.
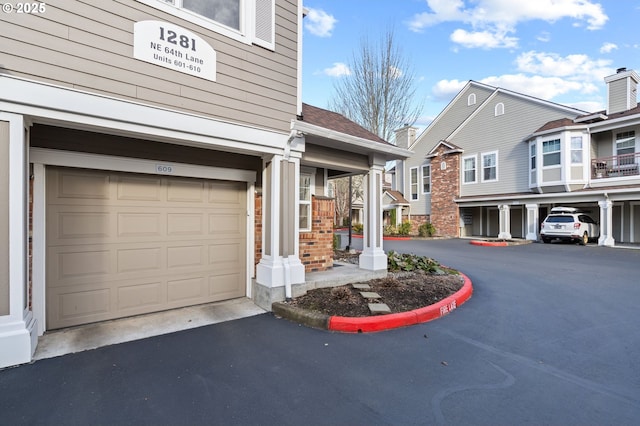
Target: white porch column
(373, 257)
(532, 222)
(18, 331)
(505, 222)
(280, 265)
(606, 223)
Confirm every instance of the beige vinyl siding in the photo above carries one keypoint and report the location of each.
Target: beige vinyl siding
(618, 96)
(445, 124)
(89, 46)
(4, 218)
(505, 134)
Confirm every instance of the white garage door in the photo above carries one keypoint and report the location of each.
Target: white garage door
(121, 244)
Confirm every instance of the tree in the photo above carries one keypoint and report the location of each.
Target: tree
(341, 195)
(379, 92)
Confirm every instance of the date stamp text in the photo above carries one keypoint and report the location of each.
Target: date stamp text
(30, 8)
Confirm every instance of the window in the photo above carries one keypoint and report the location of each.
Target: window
(469, 169)
(626, 145)
(471, 99)
(426, 178)
(490, 166)
(499, 110)
(576, 149)
(413, 182)
(533, 156)
(551, 153)
(248, 21)
(305, 202)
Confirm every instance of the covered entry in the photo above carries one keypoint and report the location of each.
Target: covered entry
(121, 244)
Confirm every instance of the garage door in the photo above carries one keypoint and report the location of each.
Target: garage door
(121, 244)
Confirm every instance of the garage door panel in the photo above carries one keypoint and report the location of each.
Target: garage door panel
(185, 256)
(147, 243)
(184, 224)
(140, 259)
(138, 188)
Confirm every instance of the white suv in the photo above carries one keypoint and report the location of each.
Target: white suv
(569, 224)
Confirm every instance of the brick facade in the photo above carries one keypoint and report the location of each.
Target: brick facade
(416, 221)
(445, 184)
(316, 247)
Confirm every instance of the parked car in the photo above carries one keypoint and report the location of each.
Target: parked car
(569, 224)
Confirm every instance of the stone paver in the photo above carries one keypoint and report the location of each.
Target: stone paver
(370, 295)
(361, 286)
(379, 308)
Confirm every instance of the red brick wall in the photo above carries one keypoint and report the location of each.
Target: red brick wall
(445, 185)
(416, 221)
(316, 247)
(258, 229)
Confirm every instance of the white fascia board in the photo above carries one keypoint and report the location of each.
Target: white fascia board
(616, 123)
(519, 199)
(55, 104)
(368, 146)
(558, 130)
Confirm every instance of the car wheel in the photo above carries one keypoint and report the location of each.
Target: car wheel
(546, 240)
(585, 239)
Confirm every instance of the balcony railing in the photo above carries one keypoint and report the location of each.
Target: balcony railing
(616, 166)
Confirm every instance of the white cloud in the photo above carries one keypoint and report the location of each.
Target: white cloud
(483, 39)
(589, 106)
(319, 23)
(445, 90)
(544, 37)
(576, 67)
(538, 86)
(501, 17)
(608, 47)
(338, 69)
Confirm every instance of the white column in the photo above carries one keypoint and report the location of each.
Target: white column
(505, 222)
(606, 223)
(280, 262)
(373, 257)
(532, 222)
(18, 330)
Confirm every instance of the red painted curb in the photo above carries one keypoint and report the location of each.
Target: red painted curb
(403, 319)
(489, 243)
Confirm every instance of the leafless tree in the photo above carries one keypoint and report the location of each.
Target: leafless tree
(341, 195)
(380, 91)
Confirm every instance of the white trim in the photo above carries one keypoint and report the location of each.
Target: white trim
(55, 157)
(39, 245)
(417, 184)
(311, 172)
(50, 104)
(482, 155)
(422, 176)
(499, 109)
(475, 158)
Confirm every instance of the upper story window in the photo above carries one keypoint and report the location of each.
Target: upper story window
(533, 156)
(469, 170)
(551, 152)
(499, 110)
(576, 149)
(413, 183)
(471, 99)
(426, 178)
(626, 145)
(489, 166)
(248, 21)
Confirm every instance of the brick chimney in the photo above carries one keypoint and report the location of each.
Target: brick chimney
(622, 90)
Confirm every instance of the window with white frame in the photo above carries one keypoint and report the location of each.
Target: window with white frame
(413, 183)
(576, 150)
(532, 156)
(249, 21)
(489, 166)
(469, 170)
(626, 145)
(305, 201)
(551, 153)
(426, 178)
(499, 110)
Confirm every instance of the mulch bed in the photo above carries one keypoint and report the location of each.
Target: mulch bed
(401, 291)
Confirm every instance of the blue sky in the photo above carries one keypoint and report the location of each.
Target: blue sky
(558, 50)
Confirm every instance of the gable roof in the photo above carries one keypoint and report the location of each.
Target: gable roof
(451, 148)
(338, 122)
(397, 197)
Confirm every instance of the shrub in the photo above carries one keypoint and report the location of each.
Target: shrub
(389, 230)
(426, 229)
(411, 262)
(357, 228)
(336, 242)
(405, 228)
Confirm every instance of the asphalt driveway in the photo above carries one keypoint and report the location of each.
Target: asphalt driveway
(550, 336)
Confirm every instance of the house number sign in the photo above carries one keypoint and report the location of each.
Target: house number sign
(174, 47)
